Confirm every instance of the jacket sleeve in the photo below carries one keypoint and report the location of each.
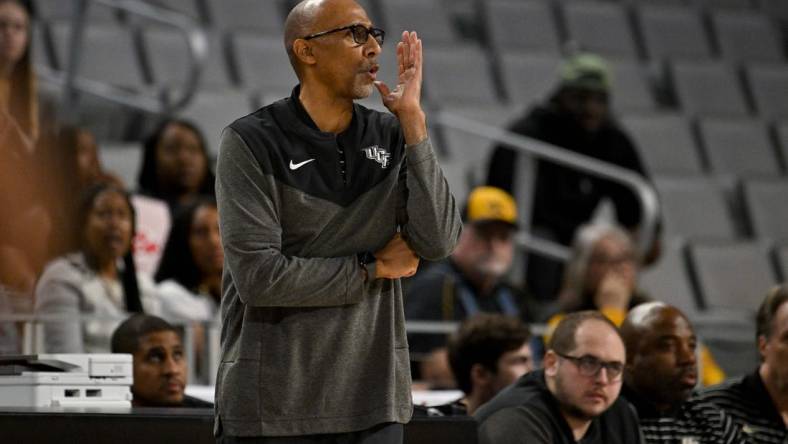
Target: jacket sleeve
(252, 239)
(55, 297)
(433, 221)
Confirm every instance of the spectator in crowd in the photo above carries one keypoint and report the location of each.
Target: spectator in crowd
(18, 98)
(26, 226)
(758, 402)
(99, 279)
(471, 280)
(175, 164)
(74, 167)
(488, 353)
(190, 273)
(160, 367)
(574, 398)
(601, 274)
(577, 118)
(661, 374)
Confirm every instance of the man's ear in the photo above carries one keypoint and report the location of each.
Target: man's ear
(480, 376)
(550, 363)
(762, 344)
(303, 52)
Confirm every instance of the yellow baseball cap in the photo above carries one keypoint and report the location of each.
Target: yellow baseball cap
(490, 204)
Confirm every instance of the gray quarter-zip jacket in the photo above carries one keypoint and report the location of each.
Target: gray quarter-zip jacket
(307, 346)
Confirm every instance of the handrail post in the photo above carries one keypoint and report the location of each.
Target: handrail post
(542, 150)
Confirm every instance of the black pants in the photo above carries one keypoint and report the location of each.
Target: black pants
(389, 433)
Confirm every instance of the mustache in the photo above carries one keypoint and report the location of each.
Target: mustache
(370, 66)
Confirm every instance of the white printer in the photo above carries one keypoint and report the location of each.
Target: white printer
(61, 380)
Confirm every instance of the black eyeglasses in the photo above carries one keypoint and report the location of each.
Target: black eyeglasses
(590, 366)
(360, 33)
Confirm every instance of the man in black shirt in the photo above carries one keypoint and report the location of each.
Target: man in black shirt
(574, 399)
(758, 402)
(577, 118)
(160, 367)
(660, 375)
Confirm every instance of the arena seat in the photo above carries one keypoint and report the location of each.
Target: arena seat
(740, 147)
(746, 37)
(708, 88)
(673, 32)
(767, 205)
(769, 87)
(602, 28)
(694, 208)
(665, 143)
(522, 26)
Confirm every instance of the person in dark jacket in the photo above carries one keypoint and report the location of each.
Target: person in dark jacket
(574, 398)
(324, 205)
(160, 367)
(577, 118)
(473, 279)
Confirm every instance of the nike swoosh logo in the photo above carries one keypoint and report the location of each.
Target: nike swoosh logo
(295, 166)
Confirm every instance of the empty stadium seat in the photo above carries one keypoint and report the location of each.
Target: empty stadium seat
(60, 10)
(427, 17)
(602, 28)
(665, 144)
(528, 78)
(167, 54)
(769, 88)
(740, 147)
(767, 206)
(108, 54)
(262, 62)
(213, 111)
(522, 26)
(746, 37)
(775, 8)
(673, 33)
(262, 17)
(443, 84)
(694, 208)
(732, 276)
(667, 280)
(474, 150)
(630, 89)
(708, 88)
(186, 7)
(729, 338)
(724, 4)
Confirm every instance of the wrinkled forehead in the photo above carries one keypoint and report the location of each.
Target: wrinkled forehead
(333, 14)
(598, 339)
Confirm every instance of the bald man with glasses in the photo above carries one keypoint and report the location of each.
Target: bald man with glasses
(574, 398)
(324, 205)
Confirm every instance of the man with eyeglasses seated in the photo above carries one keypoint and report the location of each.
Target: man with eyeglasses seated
(660, 376)
(323, 206)
(574, 398)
